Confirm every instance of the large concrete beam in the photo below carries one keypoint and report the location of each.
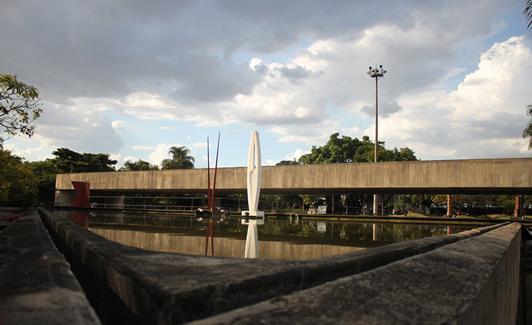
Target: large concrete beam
(501, 176)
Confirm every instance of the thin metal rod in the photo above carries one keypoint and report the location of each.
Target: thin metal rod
(208, 178)
(215, 171)
(212, 237)
(208, 230)
(207, 239)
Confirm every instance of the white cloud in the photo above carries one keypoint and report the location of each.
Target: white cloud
(143, 148)
(118, 125)
(300, 77)
(19, 147)
(77, 125)
(121, 159)
(483, 117)
(160, 152)
(296, 154)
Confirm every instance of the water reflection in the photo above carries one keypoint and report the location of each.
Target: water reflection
(223, 246)
(287, 238)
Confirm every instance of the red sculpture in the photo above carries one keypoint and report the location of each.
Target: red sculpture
(82, 196)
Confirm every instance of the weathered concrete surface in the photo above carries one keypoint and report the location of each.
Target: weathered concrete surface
(473, 281)
(36, 284)
(447, 177)
(167, 288)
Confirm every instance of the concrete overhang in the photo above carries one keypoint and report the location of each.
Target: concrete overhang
(471, 176)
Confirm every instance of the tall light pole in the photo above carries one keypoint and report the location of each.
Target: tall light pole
(376, 73)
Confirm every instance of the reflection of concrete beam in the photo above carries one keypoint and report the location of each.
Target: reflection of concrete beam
(498, 176)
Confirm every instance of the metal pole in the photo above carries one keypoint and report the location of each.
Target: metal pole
(376, 116)
(376, 196)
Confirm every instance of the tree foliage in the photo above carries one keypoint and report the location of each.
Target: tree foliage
(528, 12)
(181, 159)
(288, 162)
(345, 149)
(44, 179)
(17, 186)
(527, 132)
(69, 161)
(138, 165)
(65, 161)
(19, 107)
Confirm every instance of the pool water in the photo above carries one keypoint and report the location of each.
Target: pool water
(284, 238)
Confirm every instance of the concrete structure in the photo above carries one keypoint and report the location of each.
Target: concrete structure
(36, 283)
(498, 176)
(473, 281)
(466, 278)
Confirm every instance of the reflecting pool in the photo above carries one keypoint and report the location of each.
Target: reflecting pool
(285, 238)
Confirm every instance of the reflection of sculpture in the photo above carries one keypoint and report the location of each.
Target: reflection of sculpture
(253, 217)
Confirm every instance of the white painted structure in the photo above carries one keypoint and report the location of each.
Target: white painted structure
(253, 188)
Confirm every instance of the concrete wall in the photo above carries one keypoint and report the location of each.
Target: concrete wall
(473, 281)
(36, 283)
(126, 283)
(452, 176)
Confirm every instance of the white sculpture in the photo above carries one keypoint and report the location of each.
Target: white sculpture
(253, 217)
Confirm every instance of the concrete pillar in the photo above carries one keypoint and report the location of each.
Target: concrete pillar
(518, 206)
(449, 205)
(377, 204)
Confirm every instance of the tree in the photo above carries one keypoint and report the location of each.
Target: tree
(288, 162)
(527, 132)
(346, 149)
(19, 107)
(44, 179)
(69, 161)
(17, 186)
(65, 161)
(138, 165)
(180, 159)
(528, 12)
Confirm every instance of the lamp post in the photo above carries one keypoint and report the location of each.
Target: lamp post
(376, 73)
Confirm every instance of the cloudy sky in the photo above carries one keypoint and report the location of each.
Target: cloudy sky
(133, 78)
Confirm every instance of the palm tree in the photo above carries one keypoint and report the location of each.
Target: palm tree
(180, 159)
(527, 132)
(528, 12)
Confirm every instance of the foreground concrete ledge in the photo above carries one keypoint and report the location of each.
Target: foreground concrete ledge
(167, 288)
(473, 281)
(36, 284)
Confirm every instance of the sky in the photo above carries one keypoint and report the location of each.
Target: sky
(133, 78)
